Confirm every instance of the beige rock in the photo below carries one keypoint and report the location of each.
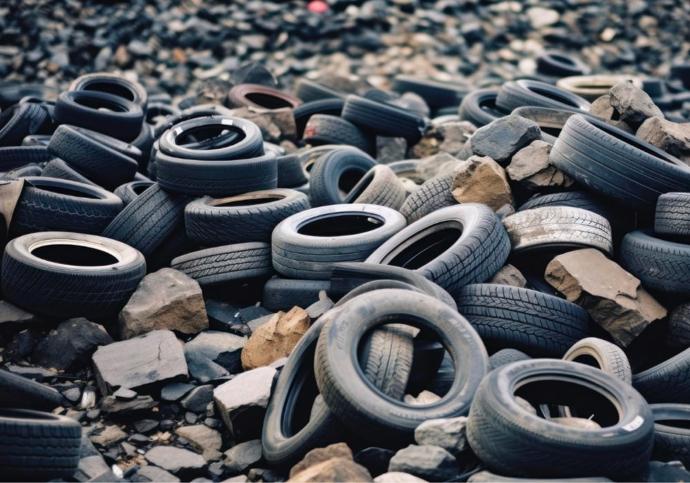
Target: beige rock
(481, 180)
(319, 455)
(166, 299)
(632, 104)
(612, 296)
(531, 168)
(424, 397)
(432, 166)
(204, 439)
(274, 123)
(447, 138)
(602, 108)
(509, 275)
(334, 470)
(275, 339)
(580, 423)
(107, 436)
(672, 137)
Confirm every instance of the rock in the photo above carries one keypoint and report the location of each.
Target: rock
(672, 137)
(253, 73)
(166, 299)
(435, 165)
(264, 474)
(530, 167)
(581, 423)
(334, 470)
(503, 137)
(424, 397)
(225, 317)
(448, 433)
(540, 17)
(175, 391)
(151, 358)
(431, 463)
(220, 347)
(601, 107)
(175, 460)
(481, 180)
(319, 455)
(204, 369)
(632, 104)
(145, 425)
(320, 307)
(397, 477)
(22, 345)
(612, 296)
(242, 402)
(275, 124)
(153, 473)
(509, 275)
(204, 439)
(390, 149)
(448, 137)
(90, 467)
(107, 436)
(242, 456)
(198, 398)
(13, 318)
(112, 405)
(374, 459)
(275, 339)
(124, 394)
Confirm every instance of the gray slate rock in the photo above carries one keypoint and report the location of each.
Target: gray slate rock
(174, 460)
(242, 456)
(154, 473)
(448, 433)
(504, 137)
(632, 104)
(432, 463)
(198, 398)
(175, 391)
(220, 347)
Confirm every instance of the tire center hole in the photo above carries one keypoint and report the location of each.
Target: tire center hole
(247, 201)
(587, 360)
(77, 255)
(110, 88)
(676, 423)
(100, 104)
(349, 179)
(341, 224)
(430, 243)
(267, 100)
(210, 137)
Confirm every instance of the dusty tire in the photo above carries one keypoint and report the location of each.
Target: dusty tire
(327, 129)
(432, 195)
(506, 356)
(379, 186)
(672, 217)
(514, 94)
(479, 107)
(679, 327)
(336, 173)
(573, 199)
(603, 355)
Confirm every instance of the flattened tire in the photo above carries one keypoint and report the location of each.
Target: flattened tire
(510, 440)
(512, 317)
(452, 247)
(603, 355)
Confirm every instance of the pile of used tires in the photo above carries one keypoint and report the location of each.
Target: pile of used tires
(481, 314)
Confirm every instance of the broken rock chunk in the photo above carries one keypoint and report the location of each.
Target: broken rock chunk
(509, 275)
(672, 137)
(504, 137)
(335, 470)
(481, 180)
(71, 343)
(530, 167)
(431, 463)
(448, 433)
(632, 104)
(175, 460)
(319, 455)
(612, 297)
(203, 439)
(243, 455)
(223, 348)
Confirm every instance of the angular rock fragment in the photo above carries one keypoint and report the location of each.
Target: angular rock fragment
(612, 297)
(319, 455)
(602, 108)
(198, 398)
(431, 463)
(151, 358)
(275, 339)
(448, 433)
(175, 460)
(481, 180)
(448, 137)
(107, 435)
(503, 137)
(220, 347)
(203, 439)
(374, 459)
(530, 167)
(112, 405)
(397, 477)
(509, 275)
(166, 299)
(154, 473)
(632, 104)
(243, 455)
(335, 470)
(672, 137)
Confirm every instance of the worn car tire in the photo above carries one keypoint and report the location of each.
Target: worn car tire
(379, 186)
(18, 391)
(336, 173)
(432, 195)
(57, 168)
(128, 192)
(479, 107)
(603, 355)
(668, 381)
(574, 199)
(328, 129)
(672, 217)
(671, 433)
(506, 356)
(514, 94)
(384, 119)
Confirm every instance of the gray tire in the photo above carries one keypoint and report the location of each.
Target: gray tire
(673, 214)
(432, 195)
(380, 186)
(603, 355)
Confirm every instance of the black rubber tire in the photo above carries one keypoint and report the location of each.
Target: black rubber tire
(672, 217)
(384, 119)
(336, 173)
(23, 172)
(144, 143)
(18, 391)
(94, 159)
(671, 440)
(291, 173)
(379, 186)
(160, 111)
(242, 218)
(52, 204)
(558, 227)
(128, 192)
(510, 440)
(302, 113)
(38, 446)
(634, 171)
(149, 220)
(538, 324)
(603, 355)
(506, 356)
(659, 264)
(432, 195)
(560, 64)
(310, 91)
(436, 94)
(354, 400)
(303, 254)
(227, 263)
(12, 157)
(191, 113)
(668, 381)
(679, 327)
(70, 288)
(122, 119)
(57, 168)
(19, 121)
(574, 199)
(328, 129)
(112, 84)
(514, 94)
(479, 107)
(452, 247)
(283, 294)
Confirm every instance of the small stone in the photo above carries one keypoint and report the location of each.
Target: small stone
(175, 391)
(90, 467)
(204, 439)
(124, 394)
(107, 436)
(431, 463)
(223, 348)
(145, 425)
(319, 455)
(580, 423)
(204, 369)
(198, 398)
(242, 402)
(374, 459)
(530, 167)
(151, 358)
(264, 474)
(612, 297)
(153, 473)
(174, 460)
(435, 165)
(397, 477)
(275, 339)
(632, 104)
(334, 470)
(448, 433)
(12, 317)
(166, 299)
(243, 455)
(503, 137)
(540, 17)
(424, 397)
(509, 275)
(111, 405)
(481, 180)
(448, 137)
(672, 137)
(320, 307)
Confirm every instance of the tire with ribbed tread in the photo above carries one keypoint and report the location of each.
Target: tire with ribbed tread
(432, 195)
(601, 354)
(668, 381)
(379, 186)
(672, 215)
